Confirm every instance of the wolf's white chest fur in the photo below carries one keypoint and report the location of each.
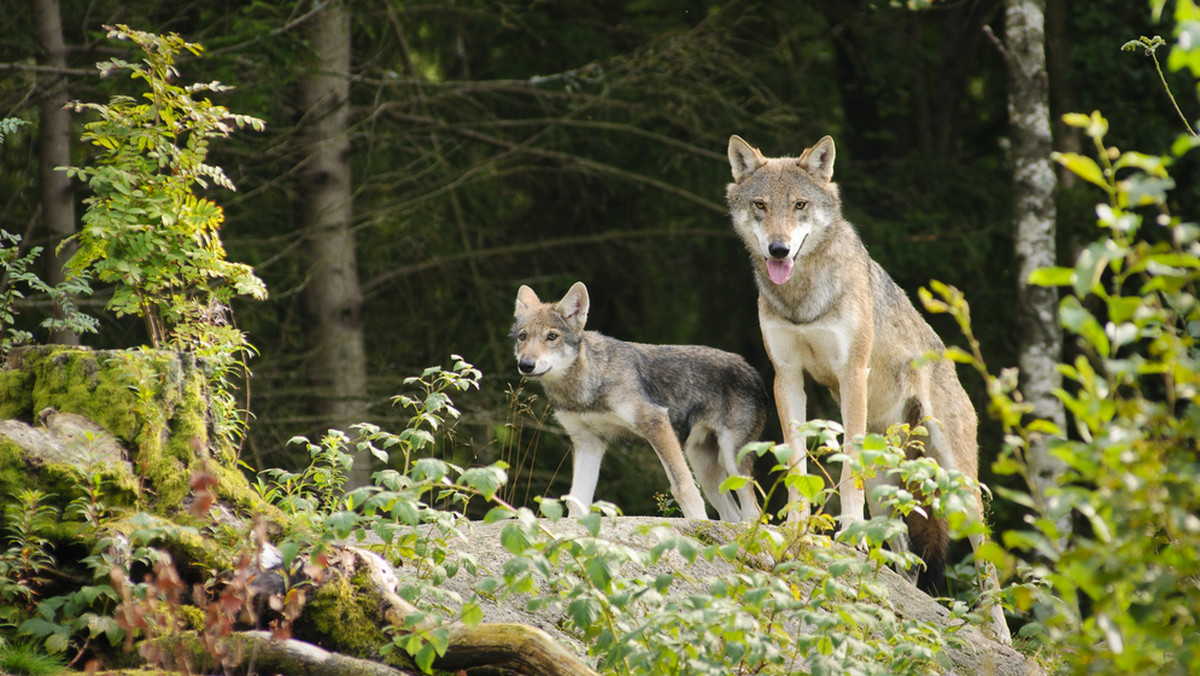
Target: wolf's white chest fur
(820, 348)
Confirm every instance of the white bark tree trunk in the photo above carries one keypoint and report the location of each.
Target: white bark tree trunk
(1034, 216)
(54, 144)
(332, 296)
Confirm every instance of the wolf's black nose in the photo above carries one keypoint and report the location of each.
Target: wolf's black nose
(778, 250)
(526, 365)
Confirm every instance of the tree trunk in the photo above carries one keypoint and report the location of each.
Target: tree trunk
(1034, 215)
(332, 295)
(54, 145)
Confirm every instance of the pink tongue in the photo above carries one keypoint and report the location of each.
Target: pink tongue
(779, 271)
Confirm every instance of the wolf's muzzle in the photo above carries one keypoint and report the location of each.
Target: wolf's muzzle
(778, 250)
(526, 366)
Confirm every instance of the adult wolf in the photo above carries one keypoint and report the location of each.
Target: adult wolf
(826, 309)
(603, 389)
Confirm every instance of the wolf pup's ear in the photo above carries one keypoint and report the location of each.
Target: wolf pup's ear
(744, 159)
(574, 306)
(526, 299)
(818, 160)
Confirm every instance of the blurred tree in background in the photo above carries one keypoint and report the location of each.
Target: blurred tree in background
(491, 144)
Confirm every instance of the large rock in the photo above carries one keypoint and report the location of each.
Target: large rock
(974, 653)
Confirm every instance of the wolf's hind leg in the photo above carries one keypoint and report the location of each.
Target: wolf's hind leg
(704, 453)
(989, 584)
(656, 427)
(731, 443)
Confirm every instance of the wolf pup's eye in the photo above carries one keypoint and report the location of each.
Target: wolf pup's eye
(759, 204)
(800, 204)
(522, 336)
(551, 337)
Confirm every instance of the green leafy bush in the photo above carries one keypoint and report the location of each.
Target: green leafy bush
(15, 270)
(1117, 593)
(147, 231)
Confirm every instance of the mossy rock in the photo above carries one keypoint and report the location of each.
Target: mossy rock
(341, 615)
(156, 405)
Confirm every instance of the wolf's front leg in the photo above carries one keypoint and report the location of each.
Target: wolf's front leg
(586, 455)
(853, 393)
(791, 403)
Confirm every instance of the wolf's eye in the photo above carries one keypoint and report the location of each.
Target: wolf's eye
(551, 337)
(523, 336)
(800, 204)
(759, 204)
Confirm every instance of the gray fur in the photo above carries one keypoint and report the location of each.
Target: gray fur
(603, 389)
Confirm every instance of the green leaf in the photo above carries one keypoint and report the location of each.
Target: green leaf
(1082, 166)
(1052, 276)
(288, 549)
(551, 509)
(733, 483)
(807, 485)
(584, 612)
(591, 521)
(1075, 318)
(514, 539)
(499, 514)
(343, 523)
(486, 480)
(471, 614)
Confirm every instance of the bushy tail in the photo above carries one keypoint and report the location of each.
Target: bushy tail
(930, 540)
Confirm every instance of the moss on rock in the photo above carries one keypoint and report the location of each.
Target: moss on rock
(155, 402)
(342, 613)
(16, 393)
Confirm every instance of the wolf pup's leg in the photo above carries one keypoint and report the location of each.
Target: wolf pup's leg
(655, 426)
(705, 455)
(586, 454)
(731, 443)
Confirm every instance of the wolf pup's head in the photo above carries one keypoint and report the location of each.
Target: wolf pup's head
(546, 335)
(779, 204)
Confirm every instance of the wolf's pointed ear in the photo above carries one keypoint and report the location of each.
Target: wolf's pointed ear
(818, 160)
(574, 306)
(744, 159)
(526, 299)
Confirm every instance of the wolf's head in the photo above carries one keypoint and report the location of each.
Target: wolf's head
(779, 204)
(546, 336)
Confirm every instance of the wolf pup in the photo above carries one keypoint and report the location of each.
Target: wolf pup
(827, 309)
(603, 389)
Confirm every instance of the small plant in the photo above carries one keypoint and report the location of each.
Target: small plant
(431, 411)
(26, 559)
(519, 438)
(147, 232)
(10, 125)
(26, 659)
(15, 274)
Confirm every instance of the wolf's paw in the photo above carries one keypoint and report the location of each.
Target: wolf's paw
(576, 508)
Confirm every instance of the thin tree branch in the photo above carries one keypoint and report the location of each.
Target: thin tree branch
(376, 284)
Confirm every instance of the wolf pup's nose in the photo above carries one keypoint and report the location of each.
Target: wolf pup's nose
(526, 365)
(778, 250)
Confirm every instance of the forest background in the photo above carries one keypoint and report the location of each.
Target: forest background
(488, 144)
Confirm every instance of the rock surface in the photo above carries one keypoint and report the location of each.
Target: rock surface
(977, 655)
